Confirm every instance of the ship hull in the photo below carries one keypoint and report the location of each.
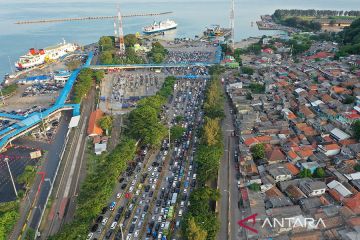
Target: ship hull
(159, 30)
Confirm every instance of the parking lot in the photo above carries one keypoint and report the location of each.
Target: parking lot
(153, 193)
(122, 90)
(18, 157)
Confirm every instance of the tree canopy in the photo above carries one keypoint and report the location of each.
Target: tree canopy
(194, 231)
(130, 40)
(157, 53)
(106, 123)
(305, 173)
(258, 151)
(356, 129)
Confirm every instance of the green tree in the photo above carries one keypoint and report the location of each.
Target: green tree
(357, 167)
(319, 172)
(130, 40)
(106, 43)
(98, 75)
(212, 131)
(349, 100)
(254, 187)
(237, 55)
(258, 151)
(247, 70)
(257, 88)
(356, 129)
(106, 57)
(176, 132)
(28, 176)
(106, 123)
(194, 232)
(305, 173)
(158, 57)
(249, 96)
(157, 53)
(8, 217)
(179, 118)
(30, 234)
(9, 89)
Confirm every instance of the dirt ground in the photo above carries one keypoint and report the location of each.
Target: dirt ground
(17, 102)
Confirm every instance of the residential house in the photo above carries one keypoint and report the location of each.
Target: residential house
(338, 191)
(312, 188)
(329, 149)
(352, 150)
(280, 173)
(353, 203)
(93, 128)
(275, 156)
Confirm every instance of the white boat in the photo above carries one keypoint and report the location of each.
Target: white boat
(37, 57)
(62, 76)
(160, 26)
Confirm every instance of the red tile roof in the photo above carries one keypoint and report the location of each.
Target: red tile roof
(93, 128)
(291, 167)
(353, 203)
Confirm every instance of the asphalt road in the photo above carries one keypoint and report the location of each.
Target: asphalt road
(67, 181)
(157, 181)
(229, 212)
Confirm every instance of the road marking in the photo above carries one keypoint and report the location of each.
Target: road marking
(72, 169)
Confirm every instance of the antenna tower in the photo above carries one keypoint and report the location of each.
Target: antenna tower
(121, 33)
(232, 23)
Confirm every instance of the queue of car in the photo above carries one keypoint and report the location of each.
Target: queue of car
(153, 200)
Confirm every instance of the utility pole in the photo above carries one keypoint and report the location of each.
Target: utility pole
(232, 23)
(12, 179)
(2, 97)
(121, 34)
(121, 229)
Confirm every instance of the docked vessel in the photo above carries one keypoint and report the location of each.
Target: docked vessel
(62, 76)
(37, 57)
(160, 26)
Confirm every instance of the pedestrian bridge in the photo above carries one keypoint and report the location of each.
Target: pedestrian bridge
(25, 124)
(152, 65)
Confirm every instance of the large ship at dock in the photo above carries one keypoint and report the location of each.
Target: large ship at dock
(37, 57)
(160, 26)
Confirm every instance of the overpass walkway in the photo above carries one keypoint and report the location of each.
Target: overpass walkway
(26, 124)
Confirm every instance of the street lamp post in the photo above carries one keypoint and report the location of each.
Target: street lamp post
(122, 234)
(11, 176)
(37, 233)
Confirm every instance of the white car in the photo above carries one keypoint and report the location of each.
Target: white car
(131, 189)
(137, 192)
(104, 221)
(113, 225)
(89, 236)
(153, 186)
(128, 237)
(136, 234)
(165, 153)
(118, 195)
(149, 169)
(133, 182)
